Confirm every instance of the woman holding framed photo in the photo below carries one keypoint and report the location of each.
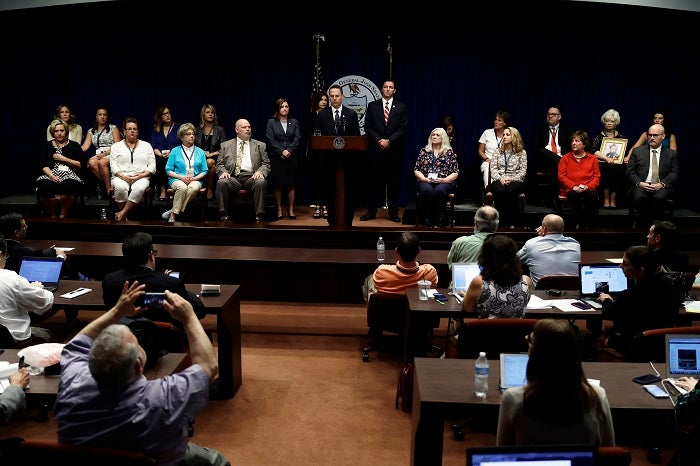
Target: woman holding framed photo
(609, 148)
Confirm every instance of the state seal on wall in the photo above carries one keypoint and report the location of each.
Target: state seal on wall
(358, 92)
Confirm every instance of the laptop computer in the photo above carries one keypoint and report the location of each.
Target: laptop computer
(462, 275)
(540, 455)
(599, 278)
(682, 357)
(46, 270)
(513, 367)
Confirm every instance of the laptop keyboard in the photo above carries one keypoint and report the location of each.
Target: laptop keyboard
(593, 303)
(672, 382)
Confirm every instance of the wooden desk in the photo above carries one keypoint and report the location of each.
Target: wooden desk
(442, 386)
(453, 309)
(44, 387)
(226, 306)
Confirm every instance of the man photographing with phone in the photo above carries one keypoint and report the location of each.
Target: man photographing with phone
(140, 256)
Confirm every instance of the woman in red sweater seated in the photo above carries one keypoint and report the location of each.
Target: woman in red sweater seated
(579, 177)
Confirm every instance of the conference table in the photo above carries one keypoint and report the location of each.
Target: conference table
(42, 389)
(452, 309)
(226, 305)
(443, 387)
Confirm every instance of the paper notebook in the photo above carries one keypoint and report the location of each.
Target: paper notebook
(46, 270)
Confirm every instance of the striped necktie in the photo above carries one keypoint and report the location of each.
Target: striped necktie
(386, 112)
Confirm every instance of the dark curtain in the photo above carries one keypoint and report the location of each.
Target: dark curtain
(636, 60)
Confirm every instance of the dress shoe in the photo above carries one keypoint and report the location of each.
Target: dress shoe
(223, 217)
(292, 216)
(368, 216)
(395, 218)
(259, 218)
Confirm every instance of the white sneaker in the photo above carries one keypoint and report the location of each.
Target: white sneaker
(166, 214)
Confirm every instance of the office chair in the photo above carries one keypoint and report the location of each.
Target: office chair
(493, 336)
(613, 456)
(387, 313)
(6, 340)
(16, 450)
(559, 282)
(647, 346)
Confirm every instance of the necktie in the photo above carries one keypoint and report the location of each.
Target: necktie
(554, 140)
(386, 112)
(337, 122)
(239, 159)
(654, 167)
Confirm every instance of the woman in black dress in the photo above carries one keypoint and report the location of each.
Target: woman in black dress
(283, 142)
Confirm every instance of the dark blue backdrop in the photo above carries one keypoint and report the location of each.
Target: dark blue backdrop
(583, 57)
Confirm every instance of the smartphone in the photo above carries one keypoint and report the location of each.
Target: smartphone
(174, 274)
(440, 297)
(656, 391)
(21, 362)
(151, 300)
(647, 379)
(581, 305)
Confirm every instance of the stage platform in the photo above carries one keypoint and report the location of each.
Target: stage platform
(614, 231)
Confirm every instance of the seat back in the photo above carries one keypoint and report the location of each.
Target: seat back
(650, 345)
(16, 450)
(493, 336)
(613, 456)
(559, 282)
(6, 340)
(387, 312)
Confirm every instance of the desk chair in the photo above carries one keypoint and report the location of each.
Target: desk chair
(16, 450)
(559, 282)
(493, 336)
(448, 216)
(613, 456)
(489, 200)
(647, 346)
(387, 313)
(198, 203)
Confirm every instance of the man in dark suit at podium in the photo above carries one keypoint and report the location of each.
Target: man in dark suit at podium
(386, 122)
(337, 120)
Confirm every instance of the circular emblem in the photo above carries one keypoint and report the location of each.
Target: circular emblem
(358, 92)
(338, 143)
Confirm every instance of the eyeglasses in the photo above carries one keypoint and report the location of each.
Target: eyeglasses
(654, 135)
(553, 114)
(154, 252)
(165, 113)
(529, 339)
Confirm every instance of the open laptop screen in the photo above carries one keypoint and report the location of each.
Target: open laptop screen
(601, 278)
(540, 455)
(462, 275)
(46, 270)
(683, 355)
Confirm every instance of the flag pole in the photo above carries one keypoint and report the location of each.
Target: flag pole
(390, 52)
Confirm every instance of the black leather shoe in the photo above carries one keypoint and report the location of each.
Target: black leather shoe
(395, 218)
(368, 216)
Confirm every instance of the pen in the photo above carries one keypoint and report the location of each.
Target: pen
(440, 302)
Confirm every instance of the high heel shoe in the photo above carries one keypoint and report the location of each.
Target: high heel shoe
(279, 215)
(325, 212)
(291, 215)
(317, 212)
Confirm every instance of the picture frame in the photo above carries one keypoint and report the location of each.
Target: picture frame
(616, 146)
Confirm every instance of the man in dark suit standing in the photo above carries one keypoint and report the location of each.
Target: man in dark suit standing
(337, 120)
(549, 142)
(140, 257)
(653, 171)
(386, 122)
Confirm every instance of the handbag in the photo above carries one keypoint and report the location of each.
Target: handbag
(404, 389)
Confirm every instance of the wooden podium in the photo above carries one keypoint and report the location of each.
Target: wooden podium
(342, 145)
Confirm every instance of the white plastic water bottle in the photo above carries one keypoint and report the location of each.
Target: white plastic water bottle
(103, 214)
(481, 376)
(380, 250)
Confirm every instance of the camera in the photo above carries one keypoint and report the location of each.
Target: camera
(151, 300)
